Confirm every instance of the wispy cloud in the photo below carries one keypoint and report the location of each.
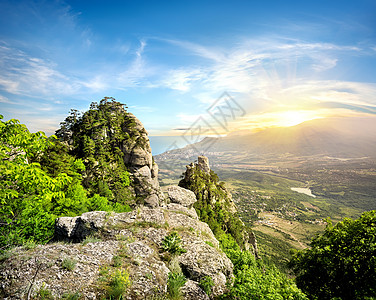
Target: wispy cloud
(22, 74)
(4, 99)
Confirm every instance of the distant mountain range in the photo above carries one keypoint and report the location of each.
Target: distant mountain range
(340, 137)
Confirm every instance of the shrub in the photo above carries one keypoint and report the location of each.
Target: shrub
(68, 264)
(341, 262)
(71, 296)
(116, 261)
(44, 293)
(174, 283)
(118, 284)
(207, 284)
(172, 243)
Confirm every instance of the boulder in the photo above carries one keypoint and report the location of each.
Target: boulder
(152, 201)
(181, 196)
(192, 291)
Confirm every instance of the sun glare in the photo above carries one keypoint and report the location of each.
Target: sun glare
(292, 118)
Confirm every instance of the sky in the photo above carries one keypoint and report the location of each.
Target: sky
(228, 65)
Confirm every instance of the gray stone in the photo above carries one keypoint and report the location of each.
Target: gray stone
(77, 228)
(140, 157)
(134, 236)
(192, 291)
(152, 201)
(181, 196)
(203, 163)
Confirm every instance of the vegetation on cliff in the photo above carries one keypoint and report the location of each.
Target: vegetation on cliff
(214, 205)
(42, 178)
(97, 137)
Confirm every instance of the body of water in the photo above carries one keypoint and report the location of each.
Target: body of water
(160, 144)
(306, 191)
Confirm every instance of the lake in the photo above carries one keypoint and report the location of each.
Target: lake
(306, 191)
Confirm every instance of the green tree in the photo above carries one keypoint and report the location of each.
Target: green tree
(32, 195)
(341, 262)
(98, 137)
(26, 191)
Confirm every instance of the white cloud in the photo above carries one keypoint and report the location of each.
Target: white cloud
(26, 75)
(182, 79)
(4, 99)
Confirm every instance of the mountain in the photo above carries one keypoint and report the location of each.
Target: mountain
(343, 137)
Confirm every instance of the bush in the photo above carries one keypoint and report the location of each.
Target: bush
(44, 293)
(207, 284)
(341, 262)
(71, 296)
(116, 261)
(172, 243)
(68, 264)
(174, 283)
(256, 280)
(118, 284)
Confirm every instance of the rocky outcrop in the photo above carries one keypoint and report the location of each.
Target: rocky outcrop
(203, 164)
(201, 169)
(182, 196)
(100, 243)
(213, 193)
(139, 161)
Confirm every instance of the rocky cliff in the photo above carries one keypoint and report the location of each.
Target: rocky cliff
(130, 255)
(215, 205)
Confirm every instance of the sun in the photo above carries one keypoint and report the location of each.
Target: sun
(292, 118)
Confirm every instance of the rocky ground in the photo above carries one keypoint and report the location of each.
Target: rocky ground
(99, 243)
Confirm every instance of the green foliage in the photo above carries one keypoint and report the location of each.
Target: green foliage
(68, 264)
(341, 262)
(257, 280)
(29, 197)
(116, 261)
(98, 137)
(44, 178)
(172, 243)
(71, 296)
(207, 284)
(118, 283)
(44, 293)
(174, 284)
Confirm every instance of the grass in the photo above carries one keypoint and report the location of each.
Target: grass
(207, 284)
(174, 284)
(71, 296)
(44, 293)
(116, 261)
(90, 239)
(68, 264)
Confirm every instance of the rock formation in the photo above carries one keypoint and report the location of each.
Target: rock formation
(139, 161)
(205, 184)
(136, 238)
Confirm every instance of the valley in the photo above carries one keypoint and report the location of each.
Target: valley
(283, 219)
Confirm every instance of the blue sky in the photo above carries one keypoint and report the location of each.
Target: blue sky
(170, 60)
